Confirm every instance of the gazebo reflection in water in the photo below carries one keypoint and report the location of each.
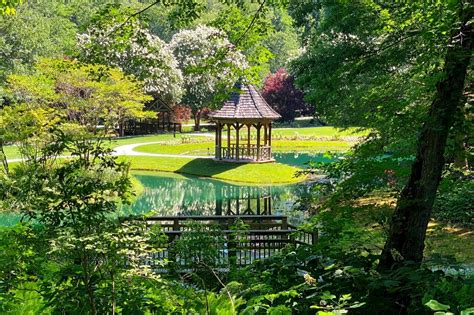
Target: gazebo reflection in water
(170, 195)
(237, 200)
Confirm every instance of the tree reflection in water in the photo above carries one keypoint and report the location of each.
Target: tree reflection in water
(169, 194)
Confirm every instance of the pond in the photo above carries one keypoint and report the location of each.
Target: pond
(300, 159)
(172, 194)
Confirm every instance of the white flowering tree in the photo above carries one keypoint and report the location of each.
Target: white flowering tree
(210, 65)
(113, 41)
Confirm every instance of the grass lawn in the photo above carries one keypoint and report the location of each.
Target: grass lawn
(168, 137)
(318, 132)
(269, 173)
(451, 241)
(207, 148)
(200, 149)
(137, 186)
(11, 151)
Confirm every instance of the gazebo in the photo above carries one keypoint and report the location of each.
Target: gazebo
(245, 108)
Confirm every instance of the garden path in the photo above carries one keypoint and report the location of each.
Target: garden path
(129, 150)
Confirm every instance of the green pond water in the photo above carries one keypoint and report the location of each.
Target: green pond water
(172, 194)
(169, 194)
(300, 159)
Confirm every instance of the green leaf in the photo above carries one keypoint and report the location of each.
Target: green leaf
(279, 310)
(468, 311)
(437, 306)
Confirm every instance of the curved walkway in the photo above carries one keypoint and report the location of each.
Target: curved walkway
(129, 150)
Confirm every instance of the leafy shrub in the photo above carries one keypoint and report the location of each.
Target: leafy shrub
(455, 200)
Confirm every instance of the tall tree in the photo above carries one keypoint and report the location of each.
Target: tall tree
(413, 211)
(399, 69)
(210, 67)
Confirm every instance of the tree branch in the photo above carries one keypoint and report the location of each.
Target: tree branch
(134, 15)
(249, 27)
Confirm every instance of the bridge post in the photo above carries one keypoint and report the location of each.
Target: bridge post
(284, 226)
(231, 245)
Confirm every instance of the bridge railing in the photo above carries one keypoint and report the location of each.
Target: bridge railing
(262, 237)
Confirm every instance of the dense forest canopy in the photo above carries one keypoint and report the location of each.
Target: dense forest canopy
(73, 73)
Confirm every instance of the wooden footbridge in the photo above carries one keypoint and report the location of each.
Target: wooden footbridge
(236, 239)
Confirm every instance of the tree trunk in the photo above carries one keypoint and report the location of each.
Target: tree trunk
(3, 158)
(121, 126)
(410, 219)
(197, 120)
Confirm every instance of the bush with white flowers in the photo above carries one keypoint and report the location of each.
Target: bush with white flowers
(210, 65)
(137, 52)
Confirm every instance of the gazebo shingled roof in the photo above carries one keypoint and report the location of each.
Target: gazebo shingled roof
(246, 105)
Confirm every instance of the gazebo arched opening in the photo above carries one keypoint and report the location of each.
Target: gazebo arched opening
(244, 128)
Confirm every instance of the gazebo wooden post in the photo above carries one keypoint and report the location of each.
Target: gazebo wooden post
(248, 139)
(228, 140)
(265, 134)
(270, 139)
(237, 129)
(218, 136)
(221, 126)
(258, 126)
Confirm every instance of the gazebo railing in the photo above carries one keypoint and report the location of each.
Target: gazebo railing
(244, 152)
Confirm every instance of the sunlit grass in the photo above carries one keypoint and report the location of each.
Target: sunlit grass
(317, 139)
(207, 148)
(12, 152)
(320, 132)
(267, 173)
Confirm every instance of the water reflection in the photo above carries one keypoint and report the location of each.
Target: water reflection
(168, 194)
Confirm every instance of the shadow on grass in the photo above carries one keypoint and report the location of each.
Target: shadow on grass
(207, 167)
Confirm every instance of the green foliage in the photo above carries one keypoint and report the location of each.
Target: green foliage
(235, 21)
(7, 7)
(366, 63)
(455, 292)
(199, 247)
(455, 199)
(39, 29)
(374, 65)
(339, 275)
(111, 275)
(21, 258)
(68, 89)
